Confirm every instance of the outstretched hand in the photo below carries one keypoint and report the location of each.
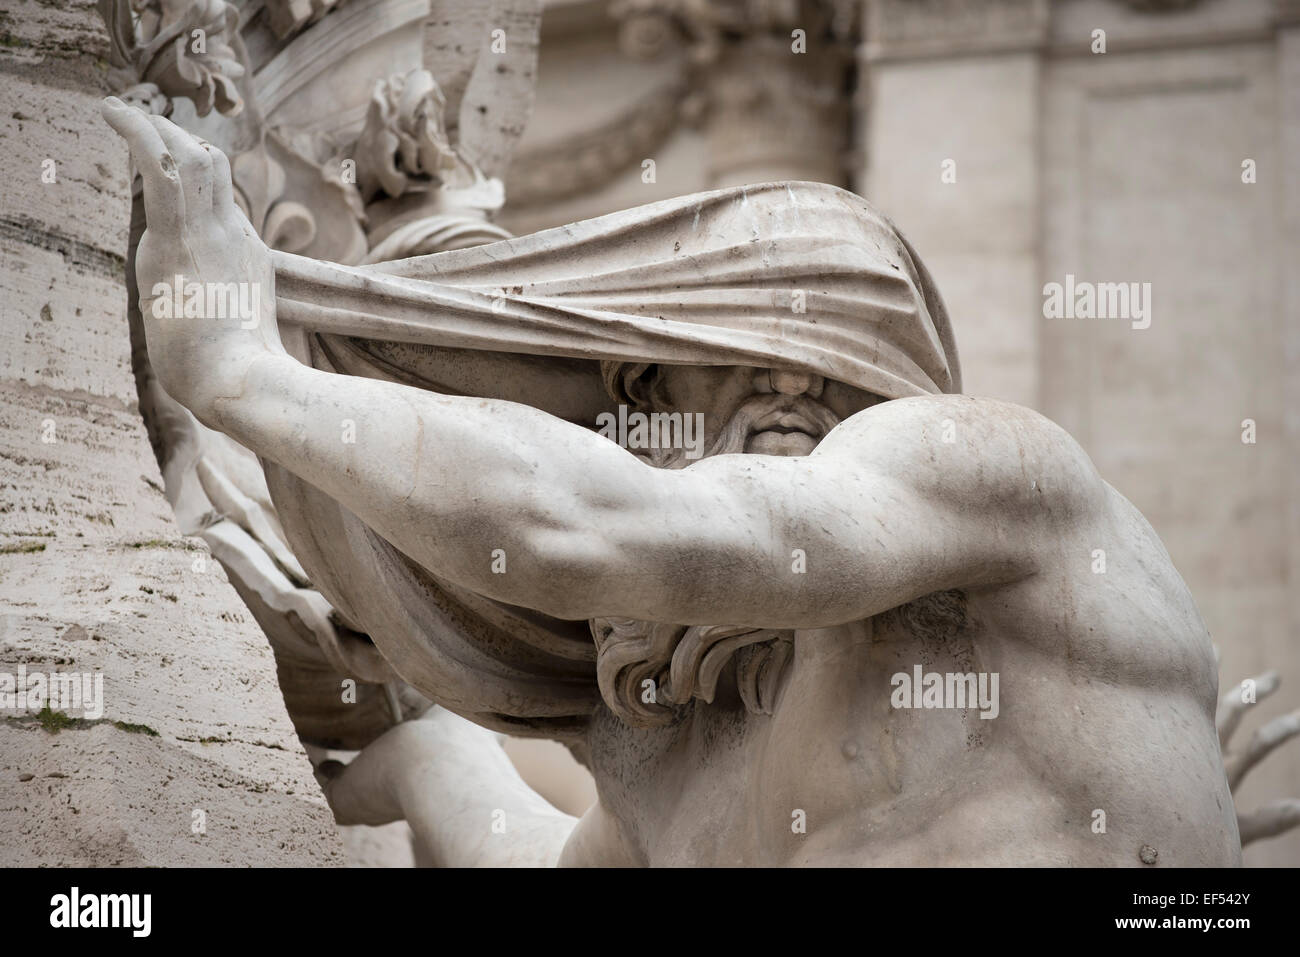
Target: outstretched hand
(206, 280)
(1278, 816)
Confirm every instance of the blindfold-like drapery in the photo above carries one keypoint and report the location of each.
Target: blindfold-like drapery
(800, 276)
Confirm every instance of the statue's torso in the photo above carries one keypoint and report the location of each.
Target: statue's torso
(1106, 689)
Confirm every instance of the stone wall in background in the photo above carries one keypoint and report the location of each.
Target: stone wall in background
(1126, 166)
(193, 760)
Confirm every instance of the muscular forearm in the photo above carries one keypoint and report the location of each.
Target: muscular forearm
(523, 507)
(469, 488)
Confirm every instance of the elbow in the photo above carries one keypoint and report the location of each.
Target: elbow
(560, 572)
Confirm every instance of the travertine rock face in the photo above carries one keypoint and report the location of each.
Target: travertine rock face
(193, 760)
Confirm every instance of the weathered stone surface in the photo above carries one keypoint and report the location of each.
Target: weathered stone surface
(94, 576)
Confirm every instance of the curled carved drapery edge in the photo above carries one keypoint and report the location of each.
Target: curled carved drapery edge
(436, 234)
(423, 194)
(405, 137)
(648, 670)
(264, 194)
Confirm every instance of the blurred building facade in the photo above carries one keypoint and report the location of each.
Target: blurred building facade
(1017, 143)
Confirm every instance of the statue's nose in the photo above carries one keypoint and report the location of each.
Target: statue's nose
(794, 383)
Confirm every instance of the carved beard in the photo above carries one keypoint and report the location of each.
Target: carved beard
(740, 428)
(647, 669)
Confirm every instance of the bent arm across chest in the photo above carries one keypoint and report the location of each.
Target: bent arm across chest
(528, 509)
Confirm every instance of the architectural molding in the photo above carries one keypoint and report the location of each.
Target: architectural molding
(904, 29)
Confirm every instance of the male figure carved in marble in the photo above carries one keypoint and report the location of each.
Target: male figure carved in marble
(854, 518)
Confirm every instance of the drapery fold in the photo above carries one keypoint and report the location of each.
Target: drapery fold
(798, 276)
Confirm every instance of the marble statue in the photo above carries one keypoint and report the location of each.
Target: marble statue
(396, 441)
(865, 625)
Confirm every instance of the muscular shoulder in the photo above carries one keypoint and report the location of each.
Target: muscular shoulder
(971, 452)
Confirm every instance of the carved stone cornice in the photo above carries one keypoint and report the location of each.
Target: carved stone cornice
(706, 26)
(901, 29)
(1160, 6)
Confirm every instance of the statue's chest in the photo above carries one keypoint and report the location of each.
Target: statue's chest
(668, 786)
(727, 786)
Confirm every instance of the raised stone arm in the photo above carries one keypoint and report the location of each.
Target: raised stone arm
(885, 521)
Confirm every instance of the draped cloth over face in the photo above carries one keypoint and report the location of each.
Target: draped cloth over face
(794, 276)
